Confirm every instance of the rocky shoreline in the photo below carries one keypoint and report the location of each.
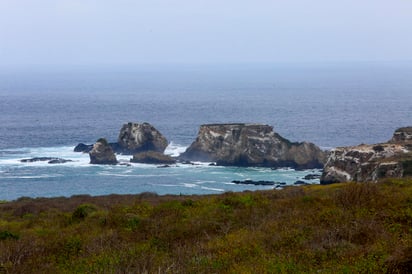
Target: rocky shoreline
(369, 163)
(256, 145)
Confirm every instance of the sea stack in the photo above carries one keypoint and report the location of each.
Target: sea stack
(135, 138)
(251, 145)
(102, 153)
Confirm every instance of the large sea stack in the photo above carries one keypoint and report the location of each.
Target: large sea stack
(135, 138)
(251, 145)
(102, 153)
(368, 163)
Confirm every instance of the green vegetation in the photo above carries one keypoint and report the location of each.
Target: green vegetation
(341, 228)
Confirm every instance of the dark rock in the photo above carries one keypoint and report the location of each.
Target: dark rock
(369, 163)
(312, 176)
(50, 160)
(37, 159)
(187, 163)
(135, 138)
(251, 145)
(102, 153)
(59, 161)
(163, 166)
(251, 182)
(299, 183)
(152, 157)
(83, 148)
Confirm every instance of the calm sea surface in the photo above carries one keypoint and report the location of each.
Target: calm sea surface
(45, 112)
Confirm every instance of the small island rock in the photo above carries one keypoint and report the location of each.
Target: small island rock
(134, 138)
(102, 153)
(251, 145)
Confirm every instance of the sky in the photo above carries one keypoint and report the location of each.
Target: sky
(132, 32)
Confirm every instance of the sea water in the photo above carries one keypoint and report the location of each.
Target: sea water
(46, 112)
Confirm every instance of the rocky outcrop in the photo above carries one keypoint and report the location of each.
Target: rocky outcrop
(134, 138)
(153, 157)
(102, 153)
(368, 163)
(402, 135)
(251, 145)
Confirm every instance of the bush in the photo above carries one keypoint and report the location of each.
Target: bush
(4, 235)
(82, 211)
(355, 195)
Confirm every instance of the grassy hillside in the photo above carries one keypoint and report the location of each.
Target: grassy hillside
(344, 228)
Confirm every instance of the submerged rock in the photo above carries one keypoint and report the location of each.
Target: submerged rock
(368, 163)
(58, 161)
(252, 182)
(312, 176)
(251, 145)
(152, 157)
(50, 160)
(134, 138)
(102, 153)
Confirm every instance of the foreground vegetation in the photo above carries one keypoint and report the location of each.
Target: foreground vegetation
(344, 228)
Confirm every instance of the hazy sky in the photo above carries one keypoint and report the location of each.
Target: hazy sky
(86, 32)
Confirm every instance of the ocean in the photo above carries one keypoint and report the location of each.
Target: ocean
(45, 112)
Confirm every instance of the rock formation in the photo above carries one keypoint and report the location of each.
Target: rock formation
(366, 163)
(251, 145)
(102, 153)
(134, 138)
(152, 157)
(402, 135)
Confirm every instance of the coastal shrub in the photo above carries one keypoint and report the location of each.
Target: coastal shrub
(355, 195)
(4, 235)
(342, 228)
(82, 211)
(407, 168)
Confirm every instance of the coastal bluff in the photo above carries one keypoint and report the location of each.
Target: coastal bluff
(240, 144)
(369, 163)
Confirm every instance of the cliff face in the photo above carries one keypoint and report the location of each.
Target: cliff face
(251, 145)
(366, 163)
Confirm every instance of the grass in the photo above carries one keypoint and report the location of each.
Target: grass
(341, 228)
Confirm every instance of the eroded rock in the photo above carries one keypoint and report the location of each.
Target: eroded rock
(134, 138)
(368, 163)
(102, 153)
(251, 145)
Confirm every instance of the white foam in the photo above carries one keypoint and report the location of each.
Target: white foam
(211, 188)
(174, 150)
(189, 185)
(36, 176)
